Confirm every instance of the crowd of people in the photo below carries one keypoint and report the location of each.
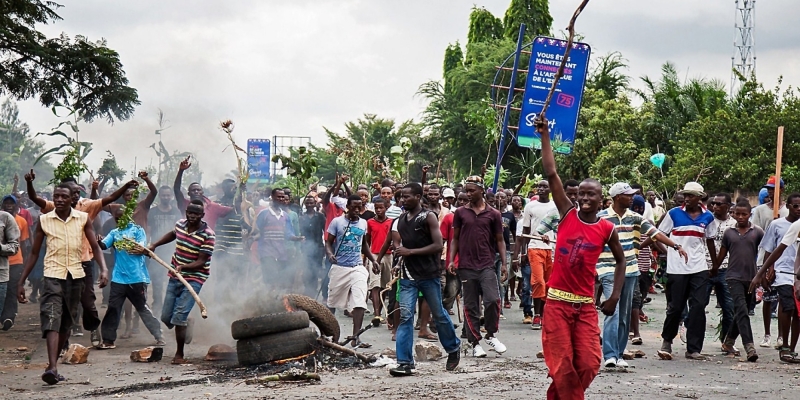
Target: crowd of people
(418, 253)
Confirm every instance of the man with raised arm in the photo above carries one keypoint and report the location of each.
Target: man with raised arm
(213, 211)
(570, 336)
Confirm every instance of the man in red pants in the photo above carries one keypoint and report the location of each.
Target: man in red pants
(571, 336)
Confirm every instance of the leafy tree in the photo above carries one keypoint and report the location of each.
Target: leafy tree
(18, 149)
(535, 14)
(86, 75)
(607, 75)
(483, 26)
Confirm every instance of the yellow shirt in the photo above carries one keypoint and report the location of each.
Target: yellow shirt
(64, 244)
(89, 206)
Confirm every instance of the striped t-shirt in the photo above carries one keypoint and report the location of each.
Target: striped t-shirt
(691, 234)
(188, 247)
(630, 228)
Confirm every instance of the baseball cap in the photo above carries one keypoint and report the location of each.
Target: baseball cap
(693, 188)
(448, 193)
(10, 197)
(620, 188)
(771, 182)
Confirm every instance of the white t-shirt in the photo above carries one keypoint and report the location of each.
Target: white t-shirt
(784, 266)
(691, 234)
(534, 213)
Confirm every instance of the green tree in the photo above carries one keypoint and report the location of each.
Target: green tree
(85, 75)
(535, 14)
(18, 149)
(483, 26)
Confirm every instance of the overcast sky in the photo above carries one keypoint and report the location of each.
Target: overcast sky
(292, 67)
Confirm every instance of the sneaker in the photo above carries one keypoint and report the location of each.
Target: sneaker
(498, 347)
(96, 339)
(477, 351)
(751, 352)
(751, 312)
(7, 324)
(502, 317)
(527, 320)
(777, 346)
(453, 360)
(682, 332)
(536, 324)
(610, 363)
(513, 298)
(77, 332)
(766, 342)
(507, 304)
(622, 363)
(403, 370)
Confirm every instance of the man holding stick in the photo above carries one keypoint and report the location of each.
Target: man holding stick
(570, 336)
(192, 260)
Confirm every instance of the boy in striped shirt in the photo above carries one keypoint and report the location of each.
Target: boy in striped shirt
(192, 259)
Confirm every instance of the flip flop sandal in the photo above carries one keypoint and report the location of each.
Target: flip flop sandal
(431, 337)
(50, 377)
(363, 345)
(636, 340)
(105, 346)
(180, 361)
(126, 335)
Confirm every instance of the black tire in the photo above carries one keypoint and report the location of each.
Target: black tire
(270, 323)
(276, 346)
(318, 313)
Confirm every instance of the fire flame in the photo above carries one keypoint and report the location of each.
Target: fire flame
(287, 305)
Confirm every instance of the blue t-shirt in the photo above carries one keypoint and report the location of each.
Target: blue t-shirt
(349, 238)
(128, 268)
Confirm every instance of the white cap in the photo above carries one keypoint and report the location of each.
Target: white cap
(620, 188)
(693, 188)
(448, 193)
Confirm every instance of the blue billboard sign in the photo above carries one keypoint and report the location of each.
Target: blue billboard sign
(259, 153)
(562, 114)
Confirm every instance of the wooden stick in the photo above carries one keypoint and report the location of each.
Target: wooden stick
(776, 204)
(345, 350)
(458, 308)
(283, 377)
(203, 311)
(561, 67)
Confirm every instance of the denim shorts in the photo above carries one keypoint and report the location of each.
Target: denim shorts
(178, 302)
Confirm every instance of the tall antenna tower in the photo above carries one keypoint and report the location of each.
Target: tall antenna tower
(744, 54)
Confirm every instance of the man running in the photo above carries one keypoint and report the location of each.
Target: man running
(345, 244)
(91, 318)
(129, 281)
(66, 231)
(419, 246)
(477, 236)
(570, 336)
(194, 245)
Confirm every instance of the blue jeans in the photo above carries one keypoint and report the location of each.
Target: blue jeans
(431, 290)
(526, 288)
(615, 327)
(178, 303)
(725, 300)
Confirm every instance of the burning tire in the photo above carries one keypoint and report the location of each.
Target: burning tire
(270, 323)
(276, 346)
(318, 313)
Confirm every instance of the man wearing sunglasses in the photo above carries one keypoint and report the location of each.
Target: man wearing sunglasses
(720, 205)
